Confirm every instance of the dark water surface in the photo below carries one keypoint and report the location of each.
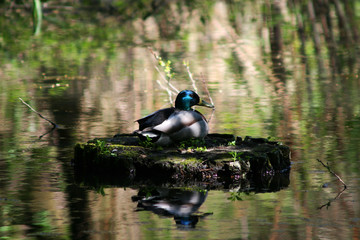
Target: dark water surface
(271, 72)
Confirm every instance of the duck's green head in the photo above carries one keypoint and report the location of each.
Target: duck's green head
(188, 98)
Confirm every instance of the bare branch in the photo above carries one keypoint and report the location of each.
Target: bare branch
(173, 90)
(328, 168)
(170, 89)
(32, 109)
(162, 76)
(329, 202)
(206, 89)
(339, 194)
(186, 64)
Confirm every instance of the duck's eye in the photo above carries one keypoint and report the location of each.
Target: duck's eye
(191, 95)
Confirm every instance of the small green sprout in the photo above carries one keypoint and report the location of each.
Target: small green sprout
(193, 144)
(201, 149)
(147, 143)
(236, 155)
(103, 148)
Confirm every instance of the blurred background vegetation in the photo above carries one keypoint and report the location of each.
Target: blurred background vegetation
(288, 70)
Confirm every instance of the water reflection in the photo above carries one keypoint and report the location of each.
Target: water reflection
(183, 204)
(98, 179)
(282, 69)
(180, 204)
(269, 182)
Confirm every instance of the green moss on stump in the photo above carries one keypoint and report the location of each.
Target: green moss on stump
(221, 157)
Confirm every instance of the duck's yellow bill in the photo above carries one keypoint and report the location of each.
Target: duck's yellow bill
(205, 104)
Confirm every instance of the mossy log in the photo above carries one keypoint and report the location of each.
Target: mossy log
(220, 158)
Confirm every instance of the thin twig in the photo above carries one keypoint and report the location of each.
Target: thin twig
(206, 89)
(186, 64)
(328, 168)
(339, 194)
(170, 89)
(174, 89)
(32, 109)
(329, 202)
(52, 129)
(208, 93)
(212, 113)
(162, 76)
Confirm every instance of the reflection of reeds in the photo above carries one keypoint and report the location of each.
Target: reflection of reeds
(37, 16)
(319, 16)
(320, 91)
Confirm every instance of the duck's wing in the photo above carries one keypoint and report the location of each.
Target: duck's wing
(155, 118)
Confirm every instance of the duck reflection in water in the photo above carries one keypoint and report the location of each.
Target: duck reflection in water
(180, 204)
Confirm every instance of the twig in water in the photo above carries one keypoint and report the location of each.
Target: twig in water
(329, 202)
(32, 109)
(339, 194)
(52, 129)
(328, 168)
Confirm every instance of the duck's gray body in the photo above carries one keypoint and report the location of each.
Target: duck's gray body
(171, 125)
(178, 126)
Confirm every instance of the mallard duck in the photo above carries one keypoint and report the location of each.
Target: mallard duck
(175, 124)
